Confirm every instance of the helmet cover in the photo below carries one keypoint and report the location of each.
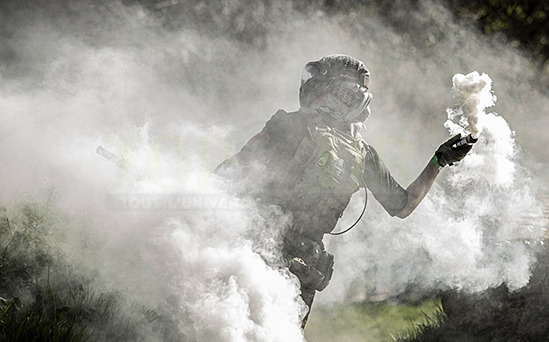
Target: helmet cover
(339, 83)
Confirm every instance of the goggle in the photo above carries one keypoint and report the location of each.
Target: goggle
(311, 70)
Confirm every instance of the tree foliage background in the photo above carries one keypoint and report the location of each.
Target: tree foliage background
(521, 23)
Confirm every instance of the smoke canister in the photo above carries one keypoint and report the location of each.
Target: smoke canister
(466, 140)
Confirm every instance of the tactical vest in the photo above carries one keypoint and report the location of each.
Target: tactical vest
(340, 161)
(327, 168)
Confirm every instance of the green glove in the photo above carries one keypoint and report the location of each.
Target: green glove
(448, 155)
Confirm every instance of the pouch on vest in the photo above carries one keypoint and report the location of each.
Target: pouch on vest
(340, 160)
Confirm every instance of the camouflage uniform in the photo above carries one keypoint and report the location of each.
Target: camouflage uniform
(311, 170)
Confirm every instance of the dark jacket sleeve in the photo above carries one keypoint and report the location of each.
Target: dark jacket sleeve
(383, 186)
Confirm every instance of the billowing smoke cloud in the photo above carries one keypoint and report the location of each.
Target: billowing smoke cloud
(176, 100)
(475, 232)
(496, 160)
(473, 95)
(228, 290)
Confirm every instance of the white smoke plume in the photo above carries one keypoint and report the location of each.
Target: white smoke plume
(472, 93)
(219, 253)
(495, 193)
(474, 232)
(495, 157)
(229, 291)
(177, 101)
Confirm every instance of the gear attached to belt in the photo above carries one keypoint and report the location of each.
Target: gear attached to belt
(308, 260)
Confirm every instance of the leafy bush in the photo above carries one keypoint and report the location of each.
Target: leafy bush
(34, 306)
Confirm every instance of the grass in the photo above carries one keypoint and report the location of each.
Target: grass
(431, 328)
(43, 298)
(51, 317)
(32, 306)
(367, 322)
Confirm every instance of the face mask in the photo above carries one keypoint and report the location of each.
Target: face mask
(345, 101)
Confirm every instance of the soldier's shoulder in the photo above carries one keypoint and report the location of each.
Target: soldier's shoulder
(281, 114)
(284, 118)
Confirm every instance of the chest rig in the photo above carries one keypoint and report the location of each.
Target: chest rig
(340, 159)
(326, 169)
(328, 165)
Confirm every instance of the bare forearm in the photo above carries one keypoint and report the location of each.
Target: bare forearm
(419, 188)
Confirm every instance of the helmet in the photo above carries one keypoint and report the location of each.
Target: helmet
(339, 83)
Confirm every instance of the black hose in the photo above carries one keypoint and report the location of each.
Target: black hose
(359, 218)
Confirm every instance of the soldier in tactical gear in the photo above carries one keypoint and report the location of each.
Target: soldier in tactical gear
(311, 161)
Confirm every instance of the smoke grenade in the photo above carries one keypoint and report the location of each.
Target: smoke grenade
(466, 140)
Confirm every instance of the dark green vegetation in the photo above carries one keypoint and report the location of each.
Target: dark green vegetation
(42, 298)
(493, 316)
(429, 329)
(45, 298)
(33, 307)
(367, 321)
(496, 315)
(523, 24)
